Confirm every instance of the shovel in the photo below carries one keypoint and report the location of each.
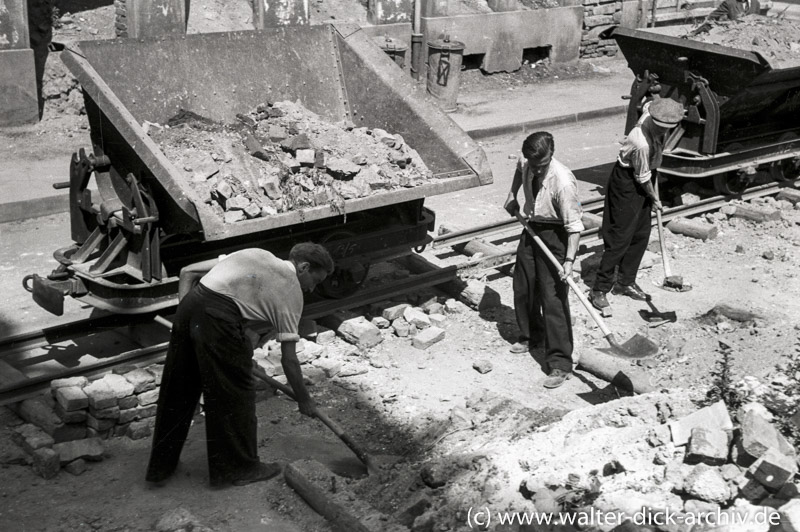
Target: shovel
(671, 282)
(655, 317)
(636, 348)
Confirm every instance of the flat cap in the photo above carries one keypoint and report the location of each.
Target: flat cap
(666, 112)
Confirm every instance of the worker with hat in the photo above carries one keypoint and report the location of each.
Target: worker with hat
(726, 11)
(630, 198)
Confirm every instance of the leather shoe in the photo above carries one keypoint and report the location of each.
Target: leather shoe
(631, 290)
(524, 345)
(259, 473)
(599, 300)
(556, 378)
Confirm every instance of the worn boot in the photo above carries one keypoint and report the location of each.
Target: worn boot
(599, 300)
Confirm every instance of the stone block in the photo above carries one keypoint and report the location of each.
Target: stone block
(80, 382)
(100, 425)
(234, 216)
(87, 449)
(381, 323)
(139, 430)
(127, 415)
(706, 483)
(121, 429)
(451, 306)
(46, 463)
(394, 312)
(106, 413)
(355, 330)
(750, 489)
(141, 379)
(417, 318)
(78, 467)
(790, 516)
(433, 308)
(325, 336)
(708, 446)
(330, 367)
(427, 337)
(31, 438)
(309, 351)
(100, 394)
(157, 370)
(131, 401)
(20, 102)
(481, 366)
(401, 327)
(305, 157)
(758, 435)
(270, 366)
(773, 469)
(437, 320)
(71, 398)
(145, 412)
(714, 416)
(271, 185)
(148, 398)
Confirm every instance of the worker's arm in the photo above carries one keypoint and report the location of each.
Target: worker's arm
(511, 204)
(291, 367)
(651, 193)
(190, 275)
(573, 242)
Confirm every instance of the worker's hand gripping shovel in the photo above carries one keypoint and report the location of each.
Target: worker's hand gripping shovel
(671, 282)
(637, 347)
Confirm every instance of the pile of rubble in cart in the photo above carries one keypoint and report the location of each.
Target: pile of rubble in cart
(282, 157)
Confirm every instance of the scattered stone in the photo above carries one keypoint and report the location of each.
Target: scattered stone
(730, 471)
(80, 382)
(773, 469)
(416, 317)
(706, 483)
(88, 449)
(394, 312)
(790, 516)
(427, 337)
(401, 327)
(758, 435)
(789, 194)
(380, 322)
(46, 463)
(77, 467)
(768, 255)
(482, 366)
(358, 331)
(141, 379)
(31, 438)
(437, 320)
(708, 446)
(138, 430)
(177, 520)
(101, 395)
(325, 336)
(451, 306)
(331, 367)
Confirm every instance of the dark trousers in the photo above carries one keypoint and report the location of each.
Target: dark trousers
(209, 354)
(540, 297)
(625, 230)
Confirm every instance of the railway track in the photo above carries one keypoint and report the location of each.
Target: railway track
(28, 362)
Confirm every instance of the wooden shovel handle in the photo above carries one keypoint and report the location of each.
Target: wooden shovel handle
(661, 241)
(570, 281)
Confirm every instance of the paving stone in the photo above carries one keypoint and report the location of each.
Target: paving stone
(148, 398)
(145, 412)
(417, 318)
(433, 307)
(437, 320)
(401, 327)
(141, 379)
(120, 385)
(106, 413)
(100, 394)
(127, 415)
(30, 437)
(77, 467)
(394, 312)
(706, 483)
(80, 382)
(773, 469)
(139, 430)
(76, 416)
(157, 370)
(427, 337)
(758, 435)
(46, 462)
(88, 449)
(132, 401)
(708, 446)
(360, 332)
(714, 416)
(749, 488)
(99, 425)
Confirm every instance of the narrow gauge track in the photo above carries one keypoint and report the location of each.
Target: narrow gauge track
(28, 362)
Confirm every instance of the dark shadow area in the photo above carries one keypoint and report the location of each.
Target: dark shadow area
(472, 61)
(40, 25)
(76, 6)
(539, 53)
(596, 175)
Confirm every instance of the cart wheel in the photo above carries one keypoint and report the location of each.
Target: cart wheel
(732, 182)
(785, 169)
(344, 281)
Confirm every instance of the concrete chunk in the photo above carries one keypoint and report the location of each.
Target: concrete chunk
(71, 398)
(708, 446)
(773, 469)
(46, 463)
(30, 437)
(715, 416)
(88, 449)
(141, 379)
(427, 337)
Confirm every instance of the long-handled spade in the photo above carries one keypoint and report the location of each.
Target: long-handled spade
(637, 347)
(671, 282)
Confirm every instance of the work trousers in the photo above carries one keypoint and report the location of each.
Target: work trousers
(625, 230)
(209, 354)
(541, 298)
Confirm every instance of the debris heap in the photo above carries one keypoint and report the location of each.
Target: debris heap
(282, 157)
(778, 40)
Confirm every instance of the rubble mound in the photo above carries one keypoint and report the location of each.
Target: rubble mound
(282, 157)
(777, 40)
(471, 7)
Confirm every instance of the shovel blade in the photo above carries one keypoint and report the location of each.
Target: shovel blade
(641, 346)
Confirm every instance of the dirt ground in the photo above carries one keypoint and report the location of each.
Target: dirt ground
(430, 412)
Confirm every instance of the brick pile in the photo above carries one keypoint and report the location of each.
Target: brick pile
(599, 15)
